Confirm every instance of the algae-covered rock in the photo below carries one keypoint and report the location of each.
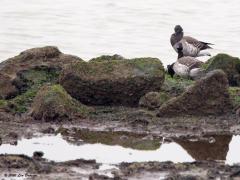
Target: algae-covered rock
(113, 82)
(10, 70)
(53, 103)
(176, 85)
(235, 96)
(107, 58)
(208, 96)
(230, 65)
(28, 83)
(153, 100)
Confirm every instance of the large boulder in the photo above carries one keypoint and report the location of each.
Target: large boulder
(113, 82)
(230, 65)
(208, 96)
(47, 57)
(53, 103)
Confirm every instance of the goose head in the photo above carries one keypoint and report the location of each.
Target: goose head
(178, 29)
(170, 70)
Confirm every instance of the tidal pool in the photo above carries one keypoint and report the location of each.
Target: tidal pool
(224, 148)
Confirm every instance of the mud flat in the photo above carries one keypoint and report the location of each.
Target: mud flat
(116, 118)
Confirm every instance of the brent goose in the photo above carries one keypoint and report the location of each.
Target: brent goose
(187, 67)
(188, 45)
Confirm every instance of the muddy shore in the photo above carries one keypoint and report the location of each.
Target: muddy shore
(26, 112)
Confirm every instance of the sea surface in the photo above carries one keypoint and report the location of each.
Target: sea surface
(131, 28)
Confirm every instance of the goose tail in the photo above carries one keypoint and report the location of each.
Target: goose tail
(207, 45)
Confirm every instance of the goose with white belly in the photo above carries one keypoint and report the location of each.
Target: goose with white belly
(188, 45)
(187, 67)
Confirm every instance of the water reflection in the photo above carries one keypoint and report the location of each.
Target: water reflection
(208, 148)
(124, 139)
(119, 147)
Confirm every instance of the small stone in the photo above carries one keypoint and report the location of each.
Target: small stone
(38, 154)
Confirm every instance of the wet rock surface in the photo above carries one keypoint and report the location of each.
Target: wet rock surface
(230, 65)
(194, 112)
(52, 103)
(113, 82)
(83, 169)
(48, 56)
(153, 100)
(208, 96)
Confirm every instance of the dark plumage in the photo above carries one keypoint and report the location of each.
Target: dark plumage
(186, 67)
(170, 70)
(186, 45)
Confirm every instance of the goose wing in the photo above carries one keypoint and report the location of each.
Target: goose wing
(198, 44)
(190, 62)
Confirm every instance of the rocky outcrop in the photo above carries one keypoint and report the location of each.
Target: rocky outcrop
(47, 57)
(52, 103)
(208, 96)
(113, 82)
(153, 100)
(230, 65)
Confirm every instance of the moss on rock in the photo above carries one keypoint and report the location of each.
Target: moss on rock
(107, 58)
(230, 65)
(176, 85)
(53, 103)
(28, 83)
(235, 96)
(113, 82)
(153, 100)
(208, 96)
(49, 57)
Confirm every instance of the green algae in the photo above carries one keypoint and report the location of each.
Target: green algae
(53, 102)
(33, 79)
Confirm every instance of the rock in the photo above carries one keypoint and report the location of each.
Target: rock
(52, 103)
(107, 58)
(48, 130)
(176, 85)
(208, 96)
(15, 161)
(238, 113)
(153, 100)
(113, 82)
(10, 70)
(37, 155)
(7, 89)
(230, 65)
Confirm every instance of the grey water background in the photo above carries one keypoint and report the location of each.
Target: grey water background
(132, 28)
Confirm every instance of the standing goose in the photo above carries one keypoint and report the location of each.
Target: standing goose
(187, 67)
(188, 45)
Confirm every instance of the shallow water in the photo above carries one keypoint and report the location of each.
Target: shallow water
(132, 28)
(223, 148)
